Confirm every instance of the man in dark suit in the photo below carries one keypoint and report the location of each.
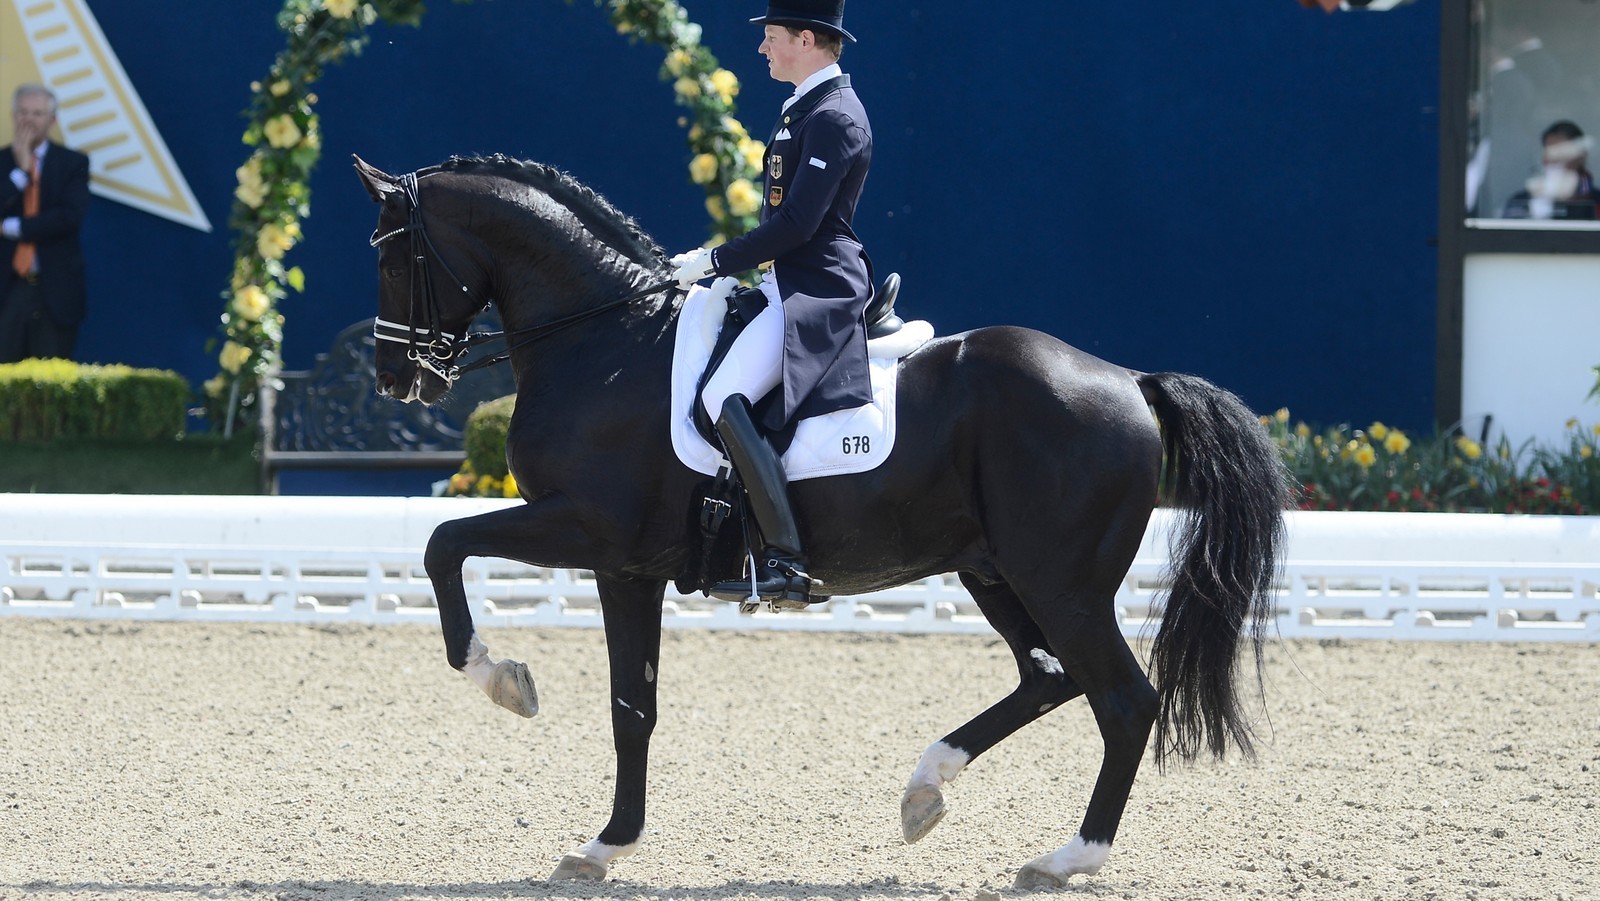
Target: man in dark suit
(810, 342)
(43, 200)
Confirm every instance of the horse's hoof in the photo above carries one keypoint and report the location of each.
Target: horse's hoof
(511, 686)
(921, 809)
(579, 866)
(1032, 877)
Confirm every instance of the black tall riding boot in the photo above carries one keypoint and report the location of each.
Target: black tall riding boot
(781, 567)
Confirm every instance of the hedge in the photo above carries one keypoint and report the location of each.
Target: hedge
(52, 400)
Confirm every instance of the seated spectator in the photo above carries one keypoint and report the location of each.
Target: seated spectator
(1565, 189)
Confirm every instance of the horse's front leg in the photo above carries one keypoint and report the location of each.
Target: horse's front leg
(544, 531)
(632, 610)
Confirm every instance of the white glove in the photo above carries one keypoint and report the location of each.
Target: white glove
(692, 266)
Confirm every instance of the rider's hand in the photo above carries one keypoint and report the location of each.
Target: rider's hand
(692, 266)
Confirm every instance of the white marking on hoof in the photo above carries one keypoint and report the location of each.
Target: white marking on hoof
(591, 862)
(1052, 870)
(922, 805)
(506, 682)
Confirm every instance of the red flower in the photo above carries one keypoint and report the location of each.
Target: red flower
(1392, 496)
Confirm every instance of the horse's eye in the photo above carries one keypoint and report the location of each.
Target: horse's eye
(394, 273)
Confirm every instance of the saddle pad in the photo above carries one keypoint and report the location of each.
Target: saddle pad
(839, 443)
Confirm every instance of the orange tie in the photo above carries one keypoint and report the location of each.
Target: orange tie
(22, 260)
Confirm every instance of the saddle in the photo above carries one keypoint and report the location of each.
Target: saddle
(744, 304)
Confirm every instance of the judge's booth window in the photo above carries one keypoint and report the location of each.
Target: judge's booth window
(1534, 115)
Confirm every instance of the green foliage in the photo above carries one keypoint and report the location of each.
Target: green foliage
(198, 464)
(1379, 468)
(51, 400)
(486, 436)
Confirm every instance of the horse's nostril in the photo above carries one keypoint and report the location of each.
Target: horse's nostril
(386, 383)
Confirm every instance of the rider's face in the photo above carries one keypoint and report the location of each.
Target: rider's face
(784, 53)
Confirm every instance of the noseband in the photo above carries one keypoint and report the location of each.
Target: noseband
(437, 350)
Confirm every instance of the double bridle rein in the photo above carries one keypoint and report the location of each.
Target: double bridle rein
(441, 352)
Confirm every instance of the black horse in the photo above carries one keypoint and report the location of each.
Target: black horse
(1026, 466)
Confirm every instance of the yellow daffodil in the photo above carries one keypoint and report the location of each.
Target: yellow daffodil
(251, 302)
(1396, 442)
(233, 356)
(1468, 448)
(743, 198)
(1303, 430)
(1282, 415)
(1366, 456)
(341, 9)
(1585, 451)
(282, 132)
(703, 169)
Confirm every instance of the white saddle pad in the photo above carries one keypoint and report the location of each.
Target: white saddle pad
(836, 444)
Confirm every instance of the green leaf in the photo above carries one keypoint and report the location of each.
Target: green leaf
(297, 279)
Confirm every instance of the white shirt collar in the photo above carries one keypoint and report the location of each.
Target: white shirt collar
(817, 77)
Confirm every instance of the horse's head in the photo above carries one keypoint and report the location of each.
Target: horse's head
(433, 277)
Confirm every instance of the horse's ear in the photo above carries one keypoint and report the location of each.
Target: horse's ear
(380, 184)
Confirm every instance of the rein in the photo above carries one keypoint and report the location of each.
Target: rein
(440, 351)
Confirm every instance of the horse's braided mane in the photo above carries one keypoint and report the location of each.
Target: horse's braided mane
(604, 221)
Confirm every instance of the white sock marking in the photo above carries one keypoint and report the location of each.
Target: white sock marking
(595, 849)
(940, 765)
(1077, 856)
(1049, 664)
(480, 666)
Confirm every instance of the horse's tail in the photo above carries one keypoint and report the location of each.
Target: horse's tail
(1225, 473)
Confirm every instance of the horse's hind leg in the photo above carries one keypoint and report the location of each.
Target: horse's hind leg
(1084, 632)
(1043, 686)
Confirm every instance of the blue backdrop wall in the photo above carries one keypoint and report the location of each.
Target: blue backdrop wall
(1239, 189)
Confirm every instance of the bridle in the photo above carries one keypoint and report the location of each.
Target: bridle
(441, 352)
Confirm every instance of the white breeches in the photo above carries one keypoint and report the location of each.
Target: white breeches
(754, 364)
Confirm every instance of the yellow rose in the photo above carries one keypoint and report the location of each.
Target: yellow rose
(716, 208)
(508, 488)
(233, 356)
(687, 88)
(251, 196)
(734, 127)
(1282, 415)
(341, 9)
(274, 240)
(280, 87)
(703, 169)
(215, 386)
(743, 198)
(696, 133)
(251, 302)
(1396, 442)
(1377, 430)
(1303, 430)
(754, 153)
(1468, 447)
(726, 84)
(1366, 456)
(281, 131)
(678, 61)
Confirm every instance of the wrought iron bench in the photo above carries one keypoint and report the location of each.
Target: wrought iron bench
(329, 416)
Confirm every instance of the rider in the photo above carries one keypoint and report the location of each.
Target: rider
(810, 341)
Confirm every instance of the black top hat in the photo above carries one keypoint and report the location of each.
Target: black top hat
(829, 14)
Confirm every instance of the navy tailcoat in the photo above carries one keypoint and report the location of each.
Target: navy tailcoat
(816, 165)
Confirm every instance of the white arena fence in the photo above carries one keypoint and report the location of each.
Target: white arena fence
(1424, 576)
